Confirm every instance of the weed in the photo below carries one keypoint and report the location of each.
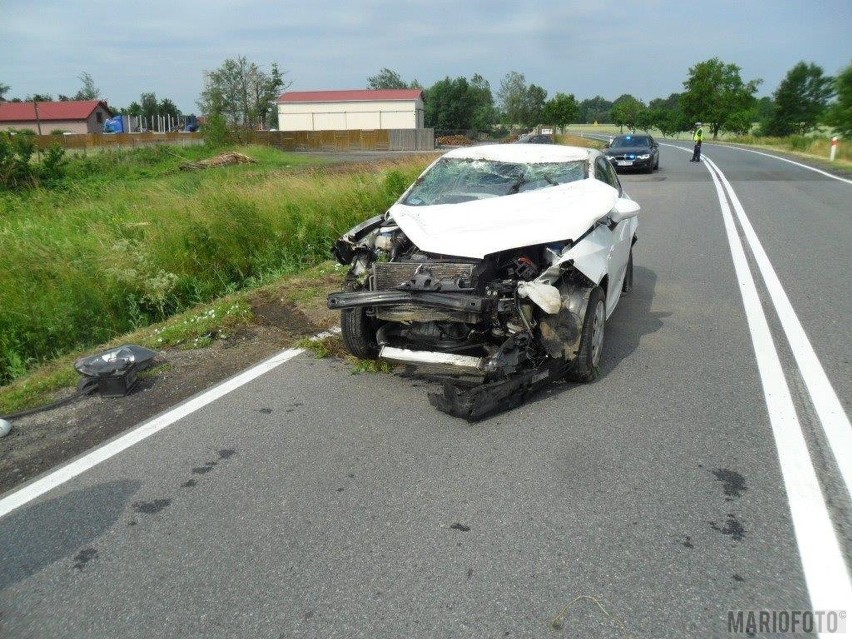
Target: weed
(127, 240)
(370, 366)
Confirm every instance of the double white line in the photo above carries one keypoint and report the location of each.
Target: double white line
(823, 562)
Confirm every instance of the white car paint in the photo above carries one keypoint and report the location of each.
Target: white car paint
(480, 227)
(563, 212)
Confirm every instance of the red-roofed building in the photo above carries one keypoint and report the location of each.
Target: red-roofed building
(358, 109)
(74, 116)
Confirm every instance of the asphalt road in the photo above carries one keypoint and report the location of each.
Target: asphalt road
(311, 502)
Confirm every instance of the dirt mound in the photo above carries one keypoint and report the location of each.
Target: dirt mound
(223, 159)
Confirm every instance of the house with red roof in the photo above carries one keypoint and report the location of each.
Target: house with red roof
(357, 109)
(73, 116)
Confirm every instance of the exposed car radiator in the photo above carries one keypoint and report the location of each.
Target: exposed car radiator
(389, 275)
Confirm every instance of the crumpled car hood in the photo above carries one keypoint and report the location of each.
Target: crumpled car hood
(475, 229)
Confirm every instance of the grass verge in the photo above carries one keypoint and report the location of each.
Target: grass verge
(129, 240)
(196, 328)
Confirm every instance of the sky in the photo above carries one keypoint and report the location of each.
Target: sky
(596, 47)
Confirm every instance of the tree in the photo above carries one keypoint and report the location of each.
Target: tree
(625, 111)
(88, 91)
(645, 119)
(800, 100)
(167, 108)
(484, 112)
(763, 112)
(447, 105)
(389, 79)
(665, 114)
(671, 103)
(460, 104)
(149, 106)
(242, 92)
(512, 97)
(4, 89)
(534, 101)
(561, 110)
(839, 115)
(666, 120)
(38, 97)
(741, 122)
(715, 92)
(596, 109)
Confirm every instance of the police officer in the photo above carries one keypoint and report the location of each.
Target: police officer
(697, 137)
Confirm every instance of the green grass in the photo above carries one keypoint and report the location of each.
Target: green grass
(819, 147)
(128, 239)
(332, 346)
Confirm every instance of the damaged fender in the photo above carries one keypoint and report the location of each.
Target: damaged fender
(561, 332)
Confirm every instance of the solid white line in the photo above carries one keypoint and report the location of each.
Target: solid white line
(835, 423)
(823, 562)
(95, 457)
(804, 166)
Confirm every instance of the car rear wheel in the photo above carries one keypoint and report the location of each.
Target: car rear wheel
(587, 366)
(359, 333)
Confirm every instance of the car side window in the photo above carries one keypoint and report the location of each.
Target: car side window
(605, 173)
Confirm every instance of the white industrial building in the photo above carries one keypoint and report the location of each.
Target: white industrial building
(358, 109)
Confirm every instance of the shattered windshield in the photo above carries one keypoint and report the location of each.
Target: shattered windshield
(454, 180)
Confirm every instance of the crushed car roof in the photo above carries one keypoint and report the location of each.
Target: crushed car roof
(523, 153)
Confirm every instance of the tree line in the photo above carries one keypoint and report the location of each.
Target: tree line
(714, 94)
(241, 95)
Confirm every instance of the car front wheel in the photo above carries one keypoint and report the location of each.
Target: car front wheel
(587, 366)
(359, 333)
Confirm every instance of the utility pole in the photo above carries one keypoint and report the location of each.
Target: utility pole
(38, 120)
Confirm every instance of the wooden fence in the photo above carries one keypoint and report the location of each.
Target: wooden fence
(375, 140)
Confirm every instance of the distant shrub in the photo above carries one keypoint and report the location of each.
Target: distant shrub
(216, 132)
(18, 171)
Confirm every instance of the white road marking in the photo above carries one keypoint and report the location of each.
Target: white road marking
(58, 477)
(835, 423)
(804, 166)
(823, 563)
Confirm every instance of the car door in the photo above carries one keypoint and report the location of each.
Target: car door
(620, 236)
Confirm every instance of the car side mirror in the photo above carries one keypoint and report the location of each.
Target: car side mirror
(624, 208)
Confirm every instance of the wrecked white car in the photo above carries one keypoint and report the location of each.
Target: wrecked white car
(497, 268)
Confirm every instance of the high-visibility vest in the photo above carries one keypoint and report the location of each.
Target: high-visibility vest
(698, 136)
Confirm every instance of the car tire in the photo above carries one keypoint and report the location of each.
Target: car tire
(628, 275)
(657, 164)
(359, 334)
(587, 366)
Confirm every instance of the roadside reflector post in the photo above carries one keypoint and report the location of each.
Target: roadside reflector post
(834, 144)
